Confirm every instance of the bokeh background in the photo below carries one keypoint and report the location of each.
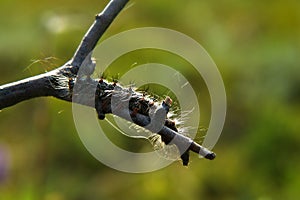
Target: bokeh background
(254, 43)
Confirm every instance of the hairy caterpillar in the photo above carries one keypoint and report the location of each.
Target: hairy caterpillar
(138, 104)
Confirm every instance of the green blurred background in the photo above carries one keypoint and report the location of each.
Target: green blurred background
(254, 43)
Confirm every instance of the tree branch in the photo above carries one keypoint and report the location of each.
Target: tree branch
(60, 83)
(102, 22)
(16, 92)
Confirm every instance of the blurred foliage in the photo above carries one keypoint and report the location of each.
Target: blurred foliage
(255, 45)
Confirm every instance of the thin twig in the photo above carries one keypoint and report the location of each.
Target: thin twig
(102, 22)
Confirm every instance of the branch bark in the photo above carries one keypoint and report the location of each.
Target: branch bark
(60, 83)
(102, 22)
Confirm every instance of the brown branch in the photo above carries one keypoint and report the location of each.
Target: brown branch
(60, 83)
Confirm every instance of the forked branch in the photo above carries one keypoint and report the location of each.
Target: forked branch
(60, 83)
